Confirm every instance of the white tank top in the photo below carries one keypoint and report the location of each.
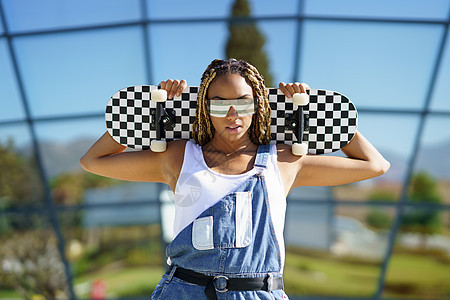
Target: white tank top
(198, 188)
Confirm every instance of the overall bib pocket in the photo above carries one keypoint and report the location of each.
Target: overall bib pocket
(232, 228)
(243, 219)
(202, 233)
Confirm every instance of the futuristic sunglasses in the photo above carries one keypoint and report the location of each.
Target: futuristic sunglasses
(220, 108)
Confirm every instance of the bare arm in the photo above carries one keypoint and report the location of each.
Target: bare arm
(107, 158)
(363, 161)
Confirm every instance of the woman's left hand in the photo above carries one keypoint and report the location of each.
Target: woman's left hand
(289, 89)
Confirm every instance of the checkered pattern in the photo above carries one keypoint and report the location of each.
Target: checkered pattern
(332, 118)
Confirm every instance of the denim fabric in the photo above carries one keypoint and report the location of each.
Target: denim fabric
(223, 240)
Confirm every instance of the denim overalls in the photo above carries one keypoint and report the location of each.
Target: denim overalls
(235, 238)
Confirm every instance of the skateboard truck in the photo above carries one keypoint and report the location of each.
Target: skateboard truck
(298, 123)
(161, 119)
(164, 119)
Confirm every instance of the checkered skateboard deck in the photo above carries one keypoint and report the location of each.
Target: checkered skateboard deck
(330, 119)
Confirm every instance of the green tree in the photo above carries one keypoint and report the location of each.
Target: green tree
(377, 217)
(19, 185)
(246, 41)
(18, 179)
(68, 188)
(425, 221)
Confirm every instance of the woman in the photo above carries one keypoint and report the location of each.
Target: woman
(230, 186)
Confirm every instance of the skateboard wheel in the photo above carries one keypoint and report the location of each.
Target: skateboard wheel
(158, 146)
(159, 95)
(300, 99)
(299, 149)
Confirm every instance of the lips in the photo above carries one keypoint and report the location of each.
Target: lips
(233, 129)
(234, 126)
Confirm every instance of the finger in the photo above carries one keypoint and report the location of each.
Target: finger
(173, 89)
(283, 89)
(162, 84)
(290, 88)
(306, 86)
(181, 87)
(298, 88)
(168, 87)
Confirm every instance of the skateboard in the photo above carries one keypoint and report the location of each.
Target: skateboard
(318, 122)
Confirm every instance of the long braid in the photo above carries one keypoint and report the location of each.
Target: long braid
(259, 131)
(203, 131)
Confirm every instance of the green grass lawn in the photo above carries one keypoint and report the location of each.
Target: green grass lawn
(417, 275)
(9, 294)
(408, 275)
(316, 276)
(136, 281)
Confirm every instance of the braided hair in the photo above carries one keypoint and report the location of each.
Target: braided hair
(259, 131)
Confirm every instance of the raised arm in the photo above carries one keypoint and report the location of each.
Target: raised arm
(363, 161)
(108, 158)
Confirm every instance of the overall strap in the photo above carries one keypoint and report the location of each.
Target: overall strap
(262, 156)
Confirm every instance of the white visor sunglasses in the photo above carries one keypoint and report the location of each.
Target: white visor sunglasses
(220, 108)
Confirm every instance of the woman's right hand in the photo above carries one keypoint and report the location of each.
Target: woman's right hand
(173, 87)
(108, 158)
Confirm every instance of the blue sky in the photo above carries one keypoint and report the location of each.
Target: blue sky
(378, 65)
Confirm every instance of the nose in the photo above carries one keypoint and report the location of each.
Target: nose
(232, 113)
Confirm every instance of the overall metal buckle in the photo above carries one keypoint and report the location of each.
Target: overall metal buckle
(223, 290)
(269, 282)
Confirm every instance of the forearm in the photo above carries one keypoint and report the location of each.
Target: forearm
(360, 148)
(104, 146)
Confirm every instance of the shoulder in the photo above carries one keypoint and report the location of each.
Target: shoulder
(288, 164)
(173, 159)
(175, 151)
(177, 146)
(284, 154)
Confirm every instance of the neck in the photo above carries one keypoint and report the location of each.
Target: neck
(232, 147)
